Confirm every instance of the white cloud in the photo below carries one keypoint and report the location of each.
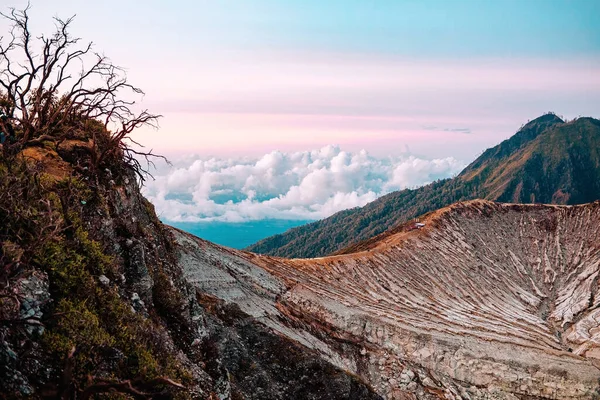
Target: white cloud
(300, 185)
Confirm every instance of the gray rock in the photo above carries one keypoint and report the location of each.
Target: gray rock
(12, 377)
(34, 293)
(406, 376)
(428, 382)
(104, 280)
(139, 274)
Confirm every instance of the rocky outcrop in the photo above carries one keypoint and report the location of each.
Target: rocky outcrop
(213, 318)
(254, 350)
(96, 297)
(484, 300)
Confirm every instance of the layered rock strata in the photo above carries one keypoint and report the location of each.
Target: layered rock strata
(480, 300)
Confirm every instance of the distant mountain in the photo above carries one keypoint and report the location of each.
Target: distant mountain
(546, 161)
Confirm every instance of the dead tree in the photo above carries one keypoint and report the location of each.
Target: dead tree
(52, 86)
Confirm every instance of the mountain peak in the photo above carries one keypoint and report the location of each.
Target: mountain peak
(546, 161)
(527, 133)
(533, 128)
(546, 119)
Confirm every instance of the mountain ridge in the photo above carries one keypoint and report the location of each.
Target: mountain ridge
(547, 161)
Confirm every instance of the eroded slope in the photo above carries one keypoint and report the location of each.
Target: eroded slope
(485, 300)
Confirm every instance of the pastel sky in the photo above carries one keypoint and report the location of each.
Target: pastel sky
(439, 78)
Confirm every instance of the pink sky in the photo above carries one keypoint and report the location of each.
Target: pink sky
(261, 76)
(249, 103)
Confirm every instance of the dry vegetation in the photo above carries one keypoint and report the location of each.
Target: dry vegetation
(54, 89)
(67, 120)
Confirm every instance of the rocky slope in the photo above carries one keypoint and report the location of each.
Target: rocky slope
(486, 300)
(546, 161)
(93, 299)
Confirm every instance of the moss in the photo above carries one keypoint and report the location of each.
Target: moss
(91, 318)
(66, 269)
(97, 261)
(167, 299)
(144, 363)
(43, 227)
(76, 326)
(151, 212)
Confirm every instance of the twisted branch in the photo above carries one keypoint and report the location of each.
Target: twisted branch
(51, 85)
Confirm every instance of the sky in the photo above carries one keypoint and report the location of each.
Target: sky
(297, 109)
(445, 78)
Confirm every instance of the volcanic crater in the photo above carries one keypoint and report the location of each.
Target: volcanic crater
(476, 300)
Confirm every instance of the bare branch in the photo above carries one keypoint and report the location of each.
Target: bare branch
(41, 106)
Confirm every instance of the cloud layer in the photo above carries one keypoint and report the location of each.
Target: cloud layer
(296, 186)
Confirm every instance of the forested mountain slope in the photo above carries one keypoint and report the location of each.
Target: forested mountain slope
(546, 161)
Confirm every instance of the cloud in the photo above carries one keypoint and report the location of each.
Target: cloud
(461, 130)
(457, 130)
(295, 185)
